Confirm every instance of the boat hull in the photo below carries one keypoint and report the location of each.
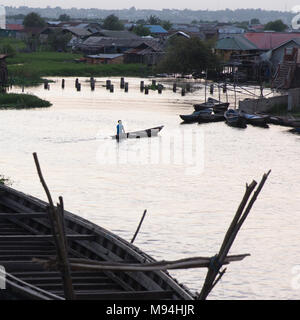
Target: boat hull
(234, 119)
(148, 133)
(30, 280)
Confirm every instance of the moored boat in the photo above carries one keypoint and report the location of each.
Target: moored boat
(195, 116)
(255, 119)
(213, 117)
(148, 133)
(234, 119)
(217, 106)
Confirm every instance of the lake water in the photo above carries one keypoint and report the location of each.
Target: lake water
(190, 201)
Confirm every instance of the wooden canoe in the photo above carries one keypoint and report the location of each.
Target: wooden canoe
(234, 119)
(148, 133)
(25, 233)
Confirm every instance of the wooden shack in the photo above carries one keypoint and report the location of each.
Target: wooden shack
(105, 58)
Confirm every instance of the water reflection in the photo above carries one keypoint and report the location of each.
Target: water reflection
(188, 214)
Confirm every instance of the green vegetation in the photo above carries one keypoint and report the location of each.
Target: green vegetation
(34, 20)
(5, 181)
(141, 30)
(21, 101)
(112, 22)
(64, 17)
(10, 46)
(29, 68)
(186, 56)
(276, 25)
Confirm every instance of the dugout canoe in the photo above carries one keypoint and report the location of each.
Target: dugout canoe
(25, 233)
(147, 133)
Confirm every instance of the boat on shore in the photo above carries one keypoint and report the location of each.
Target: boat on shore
(234, 119)
(217, 106)
(25, 233)
(213, 117)
(148, 133)
(255, 119)
(195, 116)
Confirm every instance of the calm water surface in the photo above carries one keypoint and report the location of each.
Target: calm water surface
(188, 214)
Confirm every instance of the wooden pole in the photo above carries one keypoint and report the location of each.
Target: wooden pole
(205, 84)
(139, 226)
(55, 215)
(238, 220)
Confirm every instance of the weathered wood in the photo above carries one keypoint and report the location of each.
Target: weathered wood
(198, 262)
(238, 220)
(45, 237)
(23, 215)
(66, 271)
(139, 226)
(126, 295)
(56, 215)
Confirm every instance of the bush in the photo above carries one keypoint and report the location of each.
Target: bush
(21, 101)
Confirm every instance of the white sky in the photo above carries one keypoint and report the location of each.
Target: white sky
(158, 4)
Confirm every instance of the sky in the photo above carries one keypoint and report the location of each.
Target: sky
(285, 5)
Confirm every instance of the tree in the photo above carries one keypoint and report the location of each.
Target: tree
(154, 20)
(167, 25)
(64, 17)
(34, 20)
(254, 21)
(186, 56)
(112, 22)
(58, 40)
(276, 25)
(141, 30)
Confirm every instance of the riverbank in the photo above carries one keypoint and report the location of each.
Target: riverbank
(29, 69)
(22, 101)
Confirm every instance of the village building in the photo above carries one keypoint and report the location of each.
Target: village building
(148, 52)
(156, 30)
(104, 58)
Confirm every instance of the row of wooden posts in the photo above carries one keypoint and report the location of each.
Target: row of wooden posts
(124, 85)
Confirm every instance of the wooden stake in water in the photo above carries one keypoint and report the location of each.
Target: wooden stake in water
(205, 85)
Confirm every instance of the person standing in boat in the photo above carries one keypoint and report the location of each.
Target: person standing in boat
(120, 128)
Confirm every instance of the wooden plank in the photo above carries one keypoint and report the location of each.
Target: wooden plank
(126, 295)
(56, 279)
(45, 237)
(79, 286)
(23, 215)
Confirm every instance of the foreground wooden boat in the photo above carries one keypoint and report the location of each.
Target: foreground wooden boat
(89, 262)
(234, 119)
(25, 233)
(148, 133)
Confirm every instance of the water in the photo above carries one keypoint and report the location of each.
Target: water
(188, 214)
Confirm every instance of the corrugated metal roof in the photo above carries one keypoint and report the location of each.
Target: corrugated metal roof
(235, 43)
(101, 42)
(15, 27)
(124, 34)
(78, 31)
(156, 28)
(105, 56)
(270, 40)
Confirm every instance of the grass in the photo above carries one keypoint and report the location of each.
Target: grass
(21, 101)
(29, 68)
(281, 110)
